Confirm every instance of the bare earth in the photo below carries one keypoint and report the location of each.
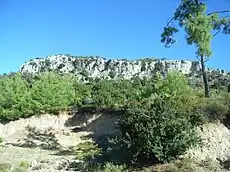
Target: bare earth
(39, 141)
(42, 141)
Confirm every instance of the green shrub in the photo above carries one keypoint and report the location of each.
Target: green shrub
(82, 92)
(23, 96)
(174, 85)
(113, 93)
(98, 167)
(112, 74)
(217, 106)
(184, 165)
(7, 167)
(110, 167)
(87, 150)
(24, 164)
(52, 92)
(161, 126)
(1, 140)
(158, 128)
(14, 96)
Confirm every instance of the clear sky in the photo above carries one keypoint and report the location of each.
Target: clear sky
(110, 28)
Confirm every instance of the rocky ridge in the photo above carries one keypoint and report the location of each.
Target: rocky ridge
(97, 67)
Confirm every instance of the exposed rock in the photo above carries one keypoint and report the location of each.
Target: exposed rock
(32, 140)
(100, 67)
(44, 131)
(215, 148)
(96, 67)
(215, 143)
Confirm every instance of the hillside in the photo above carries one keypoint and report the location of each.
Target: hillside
(85, 68)
(64, 113)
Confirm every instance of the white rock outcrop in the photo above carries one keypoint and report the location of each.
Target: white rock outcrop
(90, 68)
(215, 143)
(102, 68)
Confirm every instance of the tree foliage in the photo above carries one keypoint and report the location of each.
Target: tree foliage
(14, 97)
(113, 93)
(198, 24)
(200, 28)
(53, 92)
(161, 126)
(25, 95)
(48, 93)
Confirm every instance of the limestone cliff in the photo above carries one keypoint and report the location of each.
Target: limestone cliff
(97, 67)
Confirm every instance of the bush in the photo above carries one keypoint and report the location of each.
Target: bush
(14, 96)
(49, 92)
(158, 128)
(113, 93)
(161, 126)
(87, 150)
(21, 167)
(110, 167)
(52, 92)
(5, 167)
(98, 167)
(1, 140)
(217, 106)
(184, 165)
(176, 85)
(82, 92)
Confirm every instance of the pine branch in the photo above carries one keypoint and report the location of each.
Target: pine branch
(219, 12)
(170, 20)
(198, 58)
(206, 60)
(216, 33)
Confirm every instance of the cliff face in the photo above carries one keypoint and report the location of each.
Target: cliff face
(99, 67)
(96, 67)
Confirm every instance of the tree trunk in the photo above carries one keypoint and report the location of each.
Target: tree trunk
(205, 79)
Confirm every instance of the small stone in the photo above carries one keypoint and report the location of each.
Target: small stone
(33, 163)
(109, 149)
(44, 161)
(67, 133)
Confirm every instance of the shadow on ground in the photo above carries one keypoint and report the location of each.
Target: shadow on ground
(226, 121)
(42, 139)
(103, 124)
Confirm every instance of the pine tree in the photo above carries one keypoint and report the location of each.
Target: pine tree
(200, 28)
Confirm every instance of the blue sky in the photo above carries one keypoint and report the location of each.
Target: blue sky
(110, 28)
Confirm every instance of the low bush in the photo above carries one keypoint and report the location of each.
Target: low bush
(98, 167)
(113, 93)
(5, 167)
(20, 167)
(110, 167)
(48, 92)
(14, 96)
(1, 140)
(184, 165)
(158, 128)
(217, 107)
(52, 92)
(87, 151)
(161, 127)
